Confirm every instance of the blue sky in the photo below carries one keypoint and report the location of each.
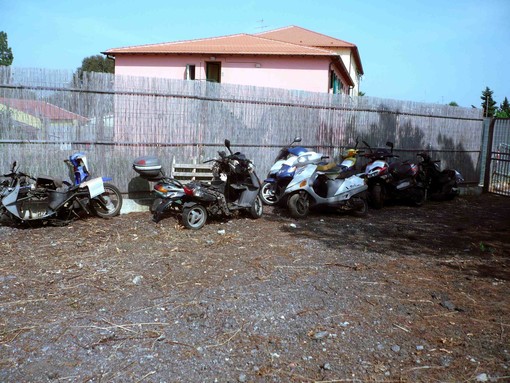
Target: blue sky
(427, 51)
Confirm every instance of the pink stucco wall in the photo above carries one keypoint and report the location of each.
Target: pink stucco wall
(302, 73)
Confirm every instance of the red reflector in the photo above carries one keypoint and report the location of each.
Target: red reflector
(188, 191)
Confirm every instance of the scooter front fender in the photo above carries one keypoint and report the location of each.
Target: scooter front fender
(9, 201)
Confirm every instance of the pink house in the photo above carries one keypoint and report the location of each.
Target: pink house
(288, 58)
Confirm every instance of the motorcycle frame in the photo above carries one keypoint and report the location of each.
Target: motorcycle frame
(79, 193)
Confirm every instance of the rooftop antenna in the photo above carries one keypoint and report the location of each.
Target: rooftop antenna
(261, 26)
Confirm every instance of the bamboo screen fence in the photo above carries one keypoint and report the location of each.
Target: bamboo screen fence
(46, 115)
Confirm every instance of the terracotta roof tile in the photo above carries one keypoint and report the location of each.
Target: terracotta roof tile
(233, 44)
(302, 36)
(290, 41)
(41, 109)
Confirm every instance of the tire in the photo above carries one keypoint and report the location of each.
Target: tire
(108, 204)
(419, 197)
(267, 194)
(377, 196)
(155, 205)
(361, 211)
(299, 205)
(257, 208)
(194, 217)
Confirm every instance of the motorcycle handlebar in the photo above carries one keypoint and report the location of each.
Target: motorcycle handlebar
(18, 174)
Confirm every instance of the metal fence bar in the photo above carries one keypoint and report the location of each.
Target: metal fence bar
(497, 175)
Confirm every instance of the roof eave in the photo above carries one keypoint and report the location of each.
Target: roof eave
(337, 61)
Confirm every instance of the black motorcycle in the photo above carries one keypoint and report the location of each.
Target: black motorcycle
(397, 180)
(440, 184)
(235, 188)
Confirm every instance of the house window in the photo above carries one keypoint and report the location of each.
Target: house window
(190, 72)
(335, 85)
(213, 71)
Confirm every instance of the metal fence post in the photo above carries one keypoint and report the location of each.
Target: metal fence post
(488, 157)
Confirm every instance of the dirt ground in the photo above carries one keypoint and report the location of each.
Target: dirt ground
(404, 295)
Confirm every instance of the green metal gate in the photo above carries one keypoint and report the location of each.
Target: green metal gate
(497, 164)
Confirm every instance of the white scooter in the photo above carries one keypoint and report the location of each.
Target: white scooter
(312, 187)
(281, 172)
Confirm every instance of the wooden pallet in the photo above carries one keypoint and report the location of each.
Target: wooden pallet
(191, 172)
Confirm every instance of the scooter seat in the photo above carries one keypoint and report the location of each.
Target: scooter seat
(49, 182)
(346, 174)
(328, 167)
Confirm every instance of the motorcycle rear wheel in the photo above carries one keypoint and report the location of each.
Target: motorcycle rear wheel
(361, 211)
(111, 202)
(299, 205)
(267, 194)
(194, 217)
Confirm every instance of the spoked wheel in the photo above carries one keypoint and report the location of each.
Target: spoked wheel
(194, 217)
(108, 204)
(257, 208)
(299, 205)
(267, 194)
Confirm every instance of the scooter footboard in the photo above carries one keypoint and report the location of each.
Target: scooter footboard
(248, 196)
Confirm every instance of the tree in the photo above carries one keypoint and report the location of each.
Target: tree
(488, 104)
(504, 109)
(453, 103)
(96, 63)
(6, 56)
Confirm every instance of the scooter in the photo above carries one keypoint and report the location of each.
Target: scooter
(398, 180)
(281, 172)
(235, 188)
(313, 187)
(440, 184)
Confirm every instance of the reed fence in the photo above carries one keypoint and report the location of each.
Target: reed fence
(46, 115)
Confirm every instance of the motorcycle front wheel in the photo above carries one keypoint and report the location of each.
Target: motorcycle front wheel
(108, 204)
(194, 217)
(299, 205)
(267, 194)
(419, 196)
(377, 196)
(257, 209)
